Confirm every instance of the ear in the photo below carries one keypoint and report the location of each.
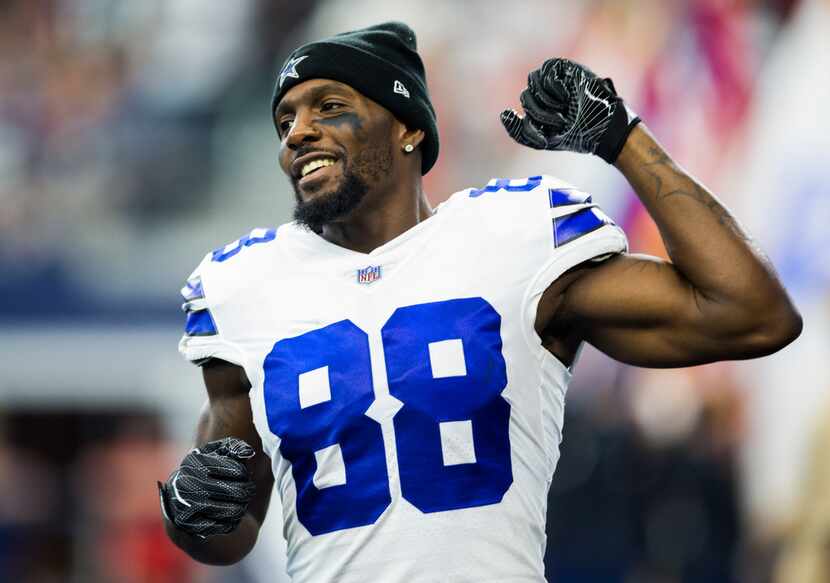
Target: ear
(410, 136)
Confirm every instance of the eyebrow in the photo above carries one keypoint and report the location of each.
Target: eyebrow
(312, 95)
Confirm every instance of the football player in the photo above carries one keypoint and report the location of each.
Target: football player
(398, 371)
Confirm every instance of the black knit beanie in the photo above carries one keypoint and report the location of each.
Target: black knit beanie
(382, 63)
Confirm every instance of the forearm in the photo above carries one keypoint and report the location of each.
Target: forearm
(704, 241)
(221, 549)
(227, 414)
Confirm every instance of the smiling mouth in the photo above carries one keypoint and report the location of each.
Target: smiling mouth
(315, 165)
(316, 171)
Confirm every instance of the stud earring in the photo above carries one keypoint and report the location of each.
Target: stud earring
(408, 148)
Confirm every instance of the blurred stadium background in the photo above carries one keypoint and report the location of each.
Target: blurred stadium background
(135, 136)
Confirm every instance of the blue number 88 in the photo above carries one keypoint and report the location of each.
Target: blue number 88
(444, 363)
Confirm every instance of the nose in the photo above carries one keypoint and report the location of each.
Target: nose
(303, 130)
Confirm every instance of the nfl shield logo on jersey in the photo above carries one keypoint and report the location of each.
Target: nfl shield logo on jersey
(368, 274)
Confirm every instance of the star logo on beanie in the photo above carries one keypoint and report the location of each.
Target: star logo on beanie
(290, 69)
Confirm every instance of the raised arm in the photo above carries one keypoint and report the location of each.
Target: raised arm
(717, 299)
(226, 414)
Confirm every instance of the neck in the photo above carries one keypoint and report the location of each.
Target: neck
(374, 224)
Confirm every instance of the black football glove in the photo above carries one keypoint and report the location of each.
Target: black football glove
(209, 493)
(567, 107)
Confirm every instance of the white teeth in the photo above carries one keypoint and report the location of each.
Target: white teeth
(314, 165)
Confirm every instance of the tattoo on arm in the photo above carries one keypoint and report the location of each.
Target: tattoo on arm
(694, 190)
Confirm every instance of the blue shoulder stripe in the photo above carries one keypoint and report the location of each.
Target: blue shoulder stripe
(200, 323)
(573, 226)
(564, 197)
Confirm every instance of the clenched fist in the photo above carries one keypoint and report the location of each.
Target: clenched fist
(209, 492)
(567, 107)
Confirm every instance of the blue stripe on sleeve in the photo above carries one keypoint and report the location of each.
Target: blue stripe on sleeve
(563, 197)
(193, 290)
(573, 226)
(200, 323)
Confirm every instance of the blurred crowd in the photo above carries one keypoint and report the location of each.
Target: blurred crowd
(110, 129)
(135, 136)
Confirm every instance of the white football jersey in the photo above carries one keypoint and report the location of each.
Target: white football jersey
(410, 412)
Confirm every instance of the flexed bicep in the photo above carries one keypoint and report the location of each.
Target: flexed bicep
(641, 310)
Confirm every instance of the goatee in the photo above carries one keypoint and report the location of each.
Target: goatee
(326, 208)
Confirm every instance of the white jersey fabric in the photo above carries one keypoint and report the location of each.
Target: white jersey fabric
(411, 414)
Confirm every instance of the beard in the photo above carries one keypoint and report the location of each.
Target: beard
(371, 164)
(315, 213)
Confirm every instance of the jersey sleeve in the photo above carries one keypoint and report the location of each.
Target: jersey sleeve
(547, 227)
(202, 338)
(577, 231)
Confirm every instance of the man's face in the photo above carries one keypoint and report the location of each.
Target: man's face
(336, 148)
